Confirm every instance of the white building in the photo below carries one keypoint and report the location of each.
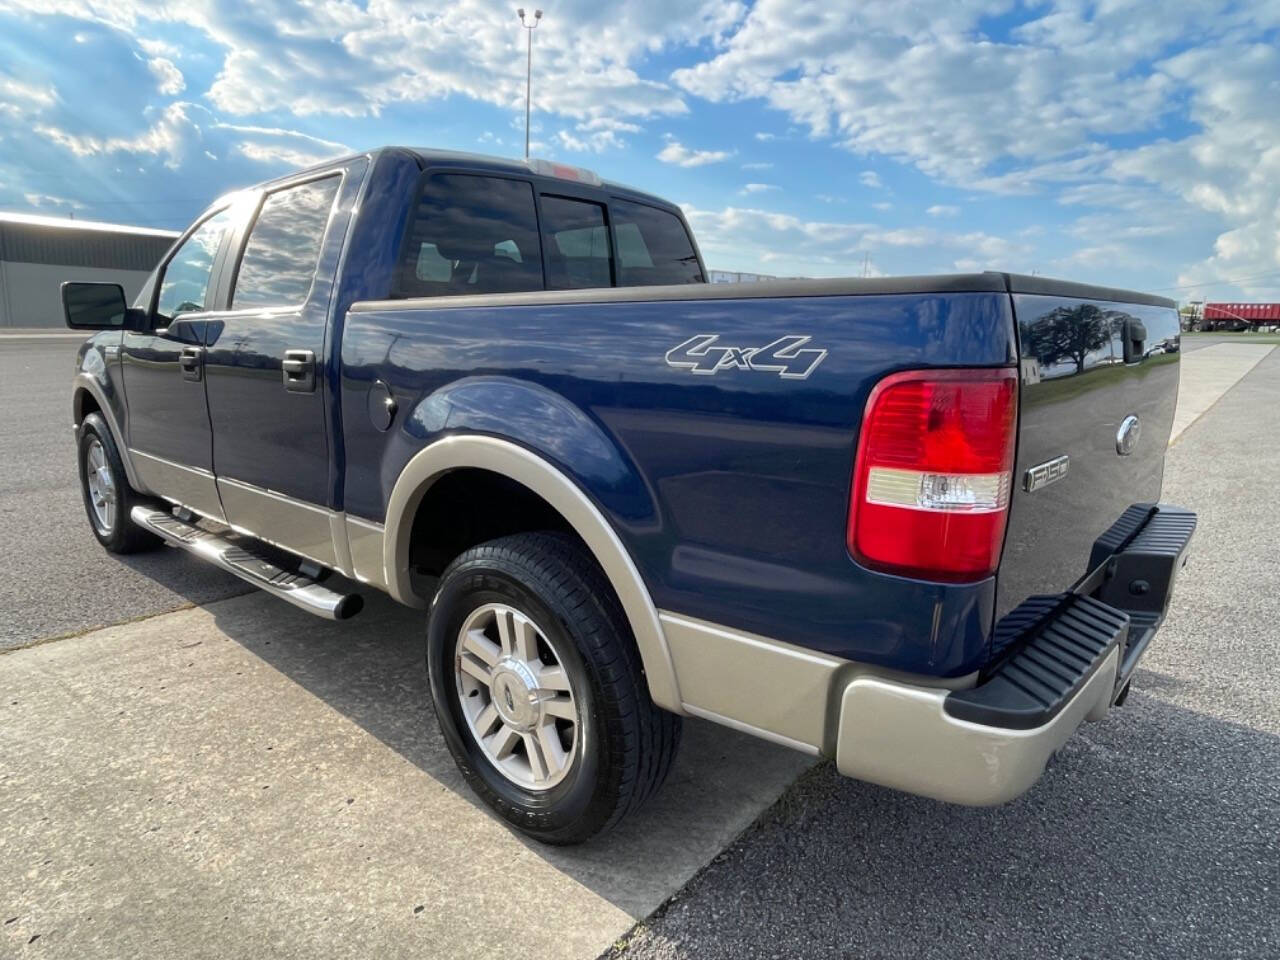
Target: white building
(733, 276)
(38, 253)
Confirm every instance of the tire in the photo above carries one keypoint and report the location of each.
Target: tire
(618, 749)
(104, 487)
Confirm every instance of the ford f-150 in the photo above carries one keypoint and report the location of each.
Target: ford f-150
(912, 524)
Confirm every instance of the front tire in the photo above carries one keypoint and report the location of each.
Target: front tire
(104, 485)
(539, 690)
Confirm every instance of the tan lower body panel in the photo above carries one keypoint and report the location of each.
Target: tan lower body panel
(774, 690)
(188, 487)
(290, 524)
(365, 539)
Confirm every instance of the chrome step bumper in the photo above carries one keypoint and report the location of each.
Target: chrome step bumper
(302, 591)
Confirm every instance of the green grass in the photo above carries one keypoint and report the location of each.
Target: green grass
(1243, 337)
(1058, 389)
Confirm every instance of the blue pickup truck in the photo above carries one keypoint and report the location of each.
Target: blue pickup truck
(911, 524)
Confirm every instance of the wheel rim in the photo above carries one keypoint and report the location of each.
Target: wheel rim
(103, 497)
(516, 697)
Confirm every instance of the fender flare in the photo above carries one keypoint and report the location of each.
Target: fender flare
(86, 383)
(549, 482)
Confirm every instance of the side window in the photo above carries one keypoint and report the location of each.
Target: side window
(185, 284)
(471, 234)
(280, 256)
(576, 244)
(653, 246)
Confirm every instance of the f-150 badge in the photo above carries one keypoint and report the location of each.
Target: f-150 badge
(703, 355)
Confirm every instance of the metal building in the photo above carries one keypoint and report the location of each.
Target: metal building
(38, 253)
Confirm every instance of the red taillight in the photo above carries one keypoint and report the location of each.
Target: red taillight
(932, 480)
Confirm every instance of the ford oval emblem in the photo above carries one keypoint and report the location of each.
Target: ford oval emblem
(1127, 435)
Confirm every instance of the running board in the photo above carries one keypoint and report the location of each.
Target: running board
(302, 591)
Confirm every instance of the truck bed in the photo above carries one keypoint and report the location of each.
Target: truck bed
(730, 487)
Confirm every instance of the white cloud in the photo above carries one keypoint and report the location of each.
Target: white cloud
(1054, 108)
(869, 178)
(167, 137)
(45, 201)
(169, 79)
(766, 137)
(942, 210)
(757, 166)
(752, 239)
(677, 153)
(760, 187)
(158, 48)
(18, 98)
(340, 58)
(882, 205)
(183, 128)
(596, 135)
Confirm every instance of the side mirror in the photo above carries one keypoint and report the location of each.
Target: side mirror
(1135, 339)
(97, 306)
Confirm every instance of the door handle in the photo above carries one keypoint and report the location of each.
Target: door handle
(191, 360)
(298, 371)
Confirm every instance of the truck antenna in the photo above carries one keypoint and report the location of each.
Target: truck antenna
(528, 69)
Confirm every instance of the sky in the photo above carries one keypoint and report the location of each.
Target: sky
(1126, 142)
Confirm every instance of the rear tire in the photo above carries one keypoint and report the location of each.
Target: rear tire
(104, 485)
(524, 634)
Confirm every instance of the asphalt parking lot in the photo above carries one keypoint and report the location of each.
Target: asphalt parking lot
(230, 777)
(56, 581)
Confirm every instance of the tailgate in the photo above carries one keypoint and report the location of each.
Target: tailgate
(1091, 362)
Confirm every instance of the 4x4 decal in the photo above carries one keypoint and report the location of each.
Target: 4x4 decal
(702, 355)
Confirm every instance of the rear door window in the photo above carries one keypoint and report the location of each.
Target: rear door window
(471, 234)
(576, 244)
(283, 249)
(653, 246)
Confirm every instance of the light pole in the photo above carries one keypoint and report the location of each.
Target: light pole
(528, 72)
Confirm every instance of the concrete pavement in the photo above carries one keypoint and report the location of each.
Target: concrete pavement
(1207, 374)
(246, 780)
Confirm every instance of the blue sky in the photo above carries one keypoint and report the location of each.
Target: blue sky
(1117, 142)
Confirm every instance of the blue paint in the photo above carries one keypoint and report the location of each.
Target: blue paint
(731, 491)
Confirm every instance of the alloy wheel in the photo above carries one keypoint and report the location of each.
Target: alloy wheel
(516, 696)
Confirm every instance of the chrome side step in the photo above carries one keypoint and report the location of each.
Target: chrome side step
(302, 591)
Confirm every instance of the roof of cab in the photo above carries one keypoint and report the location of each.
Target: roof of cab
(477, 161)
(521, 168)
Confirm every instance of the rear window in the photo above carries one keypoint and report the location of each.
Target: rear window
(653, 246)
(471, 234)
(576, 242)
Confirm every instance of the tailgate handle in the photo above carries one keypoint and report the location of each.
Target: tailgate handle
(1135, 340)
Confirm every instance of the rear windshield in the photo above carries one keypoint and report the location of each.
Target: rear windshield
(576, 244)
(471, 233)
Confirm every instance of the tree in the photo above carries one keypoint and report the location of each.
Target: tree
(1068, 333)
